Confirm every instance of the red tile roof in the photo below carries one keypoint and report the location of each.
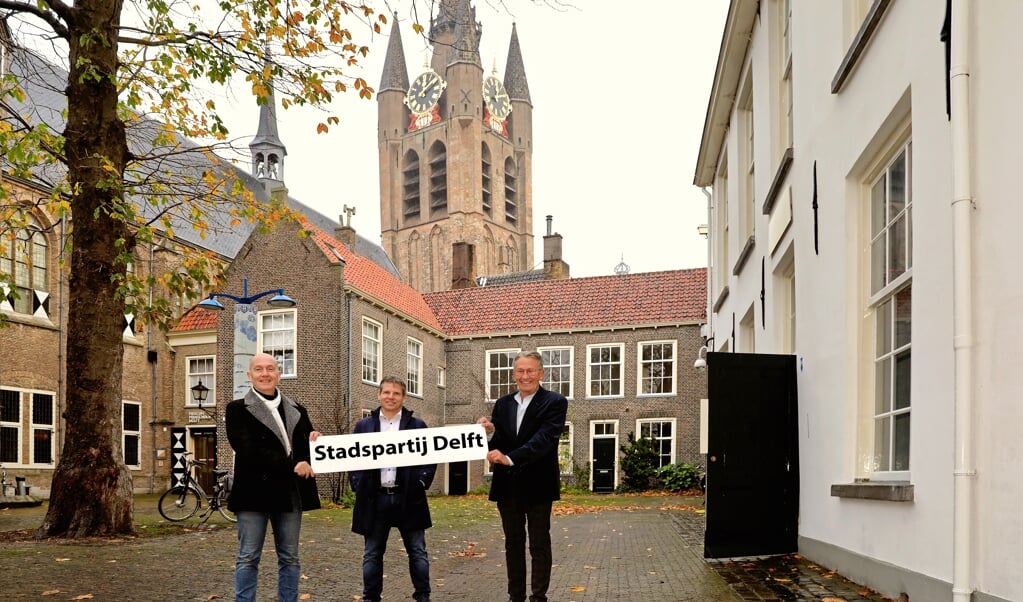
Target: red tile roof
(670, 297)
(373, 281)
(197, 318)
(651, 298)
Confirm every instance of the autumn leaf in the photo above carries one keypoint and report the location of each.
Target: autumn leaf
(62, 559)
(578, 588)
(83, 597)
(305, 597)
(50, 592)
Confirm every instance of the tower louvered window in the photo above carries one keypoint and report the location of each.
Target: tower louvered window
(438, 179)
(410, 189)
(487, 167)
(511, 206)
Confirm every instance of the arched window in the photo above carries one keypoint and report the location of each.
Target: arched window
(23, 257)
(487, 168)
(438, 179)
(410, 187)
(511, 198)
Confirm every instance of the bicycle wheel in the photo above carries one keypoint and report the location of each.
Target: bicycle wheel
(179, 503)
(226, 513)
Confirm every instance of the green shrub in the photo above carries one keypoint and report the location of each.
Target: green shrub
(680, 476)
(639, 465)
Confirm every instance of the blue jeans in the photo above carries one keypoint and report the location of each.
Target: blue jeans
(388, 508)
(251, 533)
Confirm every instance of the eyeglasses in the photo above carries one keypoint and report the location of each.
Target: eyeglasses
(526, 371)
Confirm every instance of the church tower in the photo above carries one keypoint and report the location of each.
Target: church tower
(455, 146)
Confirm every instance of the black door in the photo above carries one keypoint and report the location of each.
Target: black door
(752, 455)
(458, 477)
(604, 455)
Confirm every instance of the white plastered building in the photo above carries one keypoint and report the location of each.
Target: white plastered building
(862, 165)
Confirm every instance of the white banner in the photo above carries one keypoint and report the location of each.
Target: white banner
(343, 453)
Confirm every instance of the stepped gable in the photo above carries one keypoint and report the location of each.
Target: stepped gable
(373, 281)
(652, 298)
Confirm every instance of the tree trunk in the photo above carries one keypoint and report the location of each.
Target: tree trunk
(91, 492)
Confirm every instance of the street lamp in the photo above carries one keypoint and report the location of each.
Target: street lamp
(199, 394)
(245, 326)
(279, 299)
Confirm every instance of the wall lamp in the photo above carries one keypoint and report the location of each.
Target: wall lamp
(701, 355)
(199, 394)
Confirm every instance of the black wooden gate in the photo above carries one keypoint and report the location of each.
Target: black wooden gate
(753, 455)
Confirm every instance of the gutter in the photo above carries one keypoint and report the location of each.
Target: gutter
(965, 473)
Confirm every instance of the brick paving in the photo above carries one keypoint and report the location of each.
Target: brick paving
(653, 554)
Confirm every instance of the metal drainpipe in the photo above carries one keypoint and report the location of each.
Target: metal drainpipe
(152, 385)
(962, 311)
(710, 264)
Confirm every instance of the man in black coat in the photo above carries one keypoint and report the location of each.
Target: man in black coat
(392, 497)
(273, 481)
(524, 431)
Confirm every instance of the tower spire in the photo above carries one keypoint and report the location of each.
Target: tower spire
(266, 148)
(395, 75)
(515, 71)
(466, 43)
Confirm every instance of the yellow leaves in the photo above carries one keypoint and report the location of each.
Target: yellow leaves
(305, 597)
(577, 588)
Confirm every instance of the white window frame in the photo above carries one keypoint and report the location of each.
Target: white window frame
(747, 219)
(550, 368)
(565, 443)
(442, 377)
(590, 365)
(209, 380)
(785, 87)
(16, 425)
(641, 364)
(126, 433)
(288, 366)
(414, 367)
(35, 427)
(888, 285)
(507, 383)
(26, 263)
(372, 351)
(646, 422)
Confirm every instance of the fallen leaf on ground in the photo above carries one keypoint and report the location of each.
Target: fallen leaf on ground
(62, 559)
(83, 597)
(306, 597)
(50, 592)
(578, 588)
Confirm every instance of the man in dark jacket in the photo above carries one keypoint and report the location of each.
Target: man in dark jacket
(273, 481)
(524, 431)
(392, 497)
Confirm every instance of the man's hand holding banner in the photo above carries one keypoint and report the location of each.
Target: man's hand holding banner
(344, 453)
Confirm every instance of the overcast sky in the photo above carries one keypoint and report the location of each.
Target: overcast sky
(614, 85)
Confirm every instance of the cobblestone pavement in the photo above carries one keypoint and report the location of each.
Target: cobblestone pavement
(653, 554)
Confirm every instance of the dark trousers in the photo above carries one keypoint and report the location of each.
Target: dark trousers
(519, 518)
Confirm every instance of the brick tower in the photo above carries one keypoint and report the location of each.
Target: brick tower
(455, 158)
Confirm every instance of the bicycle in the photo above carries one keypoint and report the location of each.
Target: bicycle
(183, 500)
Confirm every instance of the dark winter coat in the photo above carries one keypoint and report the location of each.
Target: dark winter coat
(535, 475)
(412, 483)
(264, 474)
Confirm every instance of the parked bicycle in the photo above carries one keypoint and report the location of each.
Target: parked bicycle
(183, 500)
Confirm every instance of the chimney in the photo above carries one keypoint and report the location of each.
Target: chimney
(554, 268)
(344, 232)
(462, 266)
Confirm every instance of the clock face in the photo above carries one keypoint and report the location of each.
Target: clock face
(496, 97)
(424, 92)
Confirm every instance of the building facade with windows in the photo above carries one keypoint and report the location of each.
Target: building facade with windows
(873, 242)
